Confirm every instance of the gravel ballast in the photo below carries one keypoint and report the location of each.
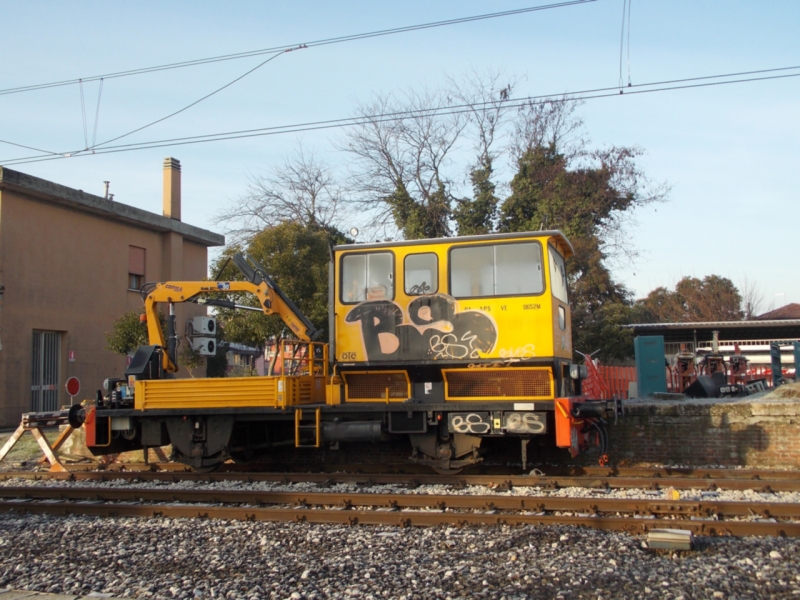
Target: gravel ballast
(182, 558)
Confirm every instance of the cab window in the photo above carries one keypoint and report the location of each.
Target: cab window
(368, 276)
(421, 274)
(558, 274)
(513, 269)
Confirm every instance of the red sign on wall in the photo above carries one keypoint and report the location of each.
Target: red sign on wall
(71, 355)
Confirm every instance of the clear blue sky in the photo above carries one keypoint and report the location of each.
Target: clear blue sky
(730, 152)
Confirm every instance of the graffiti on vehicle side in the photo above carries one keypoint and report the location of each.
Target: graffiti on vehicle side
(436, 330)
(526, 351)
(475, 423)
(526, 422)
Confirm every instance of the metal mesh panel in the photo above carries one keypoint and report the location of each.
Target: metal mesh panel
(499, 383)
(372, 386)
(45, 373)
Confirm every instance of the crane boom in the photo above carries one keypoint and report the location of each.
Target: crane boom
(271, 300)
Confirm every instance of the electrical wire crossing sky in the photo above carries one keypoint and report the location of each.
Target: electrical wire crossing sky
(103, 91)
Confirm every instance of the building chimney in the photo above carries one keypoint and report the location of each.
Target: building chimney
(172, 188)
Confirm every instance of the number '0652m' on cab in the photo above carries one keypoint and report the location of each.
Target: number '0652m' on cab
(444, 343)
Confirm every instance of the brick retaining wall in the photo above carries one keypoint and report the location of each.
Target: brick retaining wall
(759, 434)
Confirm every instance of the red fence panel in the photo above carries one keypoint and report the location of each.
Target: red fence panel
(617, 380)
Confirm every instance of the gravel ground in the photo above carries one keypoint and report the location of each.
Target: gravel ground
(165, 558)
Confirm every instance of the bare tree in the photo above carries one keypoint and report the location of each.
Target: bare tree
(752, 297)
(301, 190)
(551, 123)
(485, 97)
(402, 151)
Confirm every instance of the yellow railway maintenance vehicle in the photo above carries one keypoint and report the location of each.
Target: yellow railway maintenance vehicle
(443, 342)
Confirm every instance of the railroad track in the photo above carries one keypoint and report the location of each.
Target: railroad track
(481, 470)
(635, 516)
(596, 478)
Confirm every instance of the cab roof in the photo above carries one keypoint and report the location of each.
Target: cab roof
(556, 237)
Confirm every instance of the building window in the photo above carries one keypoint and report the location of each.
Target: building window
(136, 262)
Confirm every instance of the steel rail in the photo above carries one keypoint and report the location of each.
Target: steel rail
(406, 518)
(502, 481)
(592, 505)
(545, 471)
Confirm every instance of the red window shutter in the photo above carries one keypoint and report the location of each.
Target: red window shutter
(136, 260)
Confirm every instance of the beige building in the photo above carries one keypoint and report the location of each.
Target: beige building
(71, 264)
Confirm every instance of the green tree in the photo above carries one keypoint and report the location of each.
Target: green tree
(476, 216)
(296, 257)
(128, 333)
(694, 300)
(587, 194)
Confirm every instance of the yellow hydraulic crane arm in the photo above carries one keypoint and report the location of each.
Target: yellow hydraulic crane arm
(271, 300)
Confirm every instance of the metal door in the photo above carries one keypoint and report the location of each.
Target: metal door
(46, 363)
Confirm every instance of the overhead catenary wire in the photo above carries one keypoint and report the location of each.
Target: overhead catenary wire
(276, 52)
(591, 94)
(97, 113)
(277, 49)
(83, 114)
(198, 101)
(626, 15)
(31, 148)
(629, 41)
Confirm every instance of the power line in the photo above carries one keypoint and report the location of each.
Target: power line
(275, 54)
(30, 148)
(590, 94)
(188, 106)
(278, 49)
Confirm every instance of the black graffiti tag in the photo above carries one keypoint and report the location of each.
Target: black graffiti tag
(436, 330)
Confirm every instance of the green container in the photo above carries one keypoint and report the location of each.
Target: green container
(650, 364)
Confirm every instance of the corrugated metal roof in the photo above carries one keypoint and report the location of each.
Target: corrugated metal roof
(787, 329)
(720, 324)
